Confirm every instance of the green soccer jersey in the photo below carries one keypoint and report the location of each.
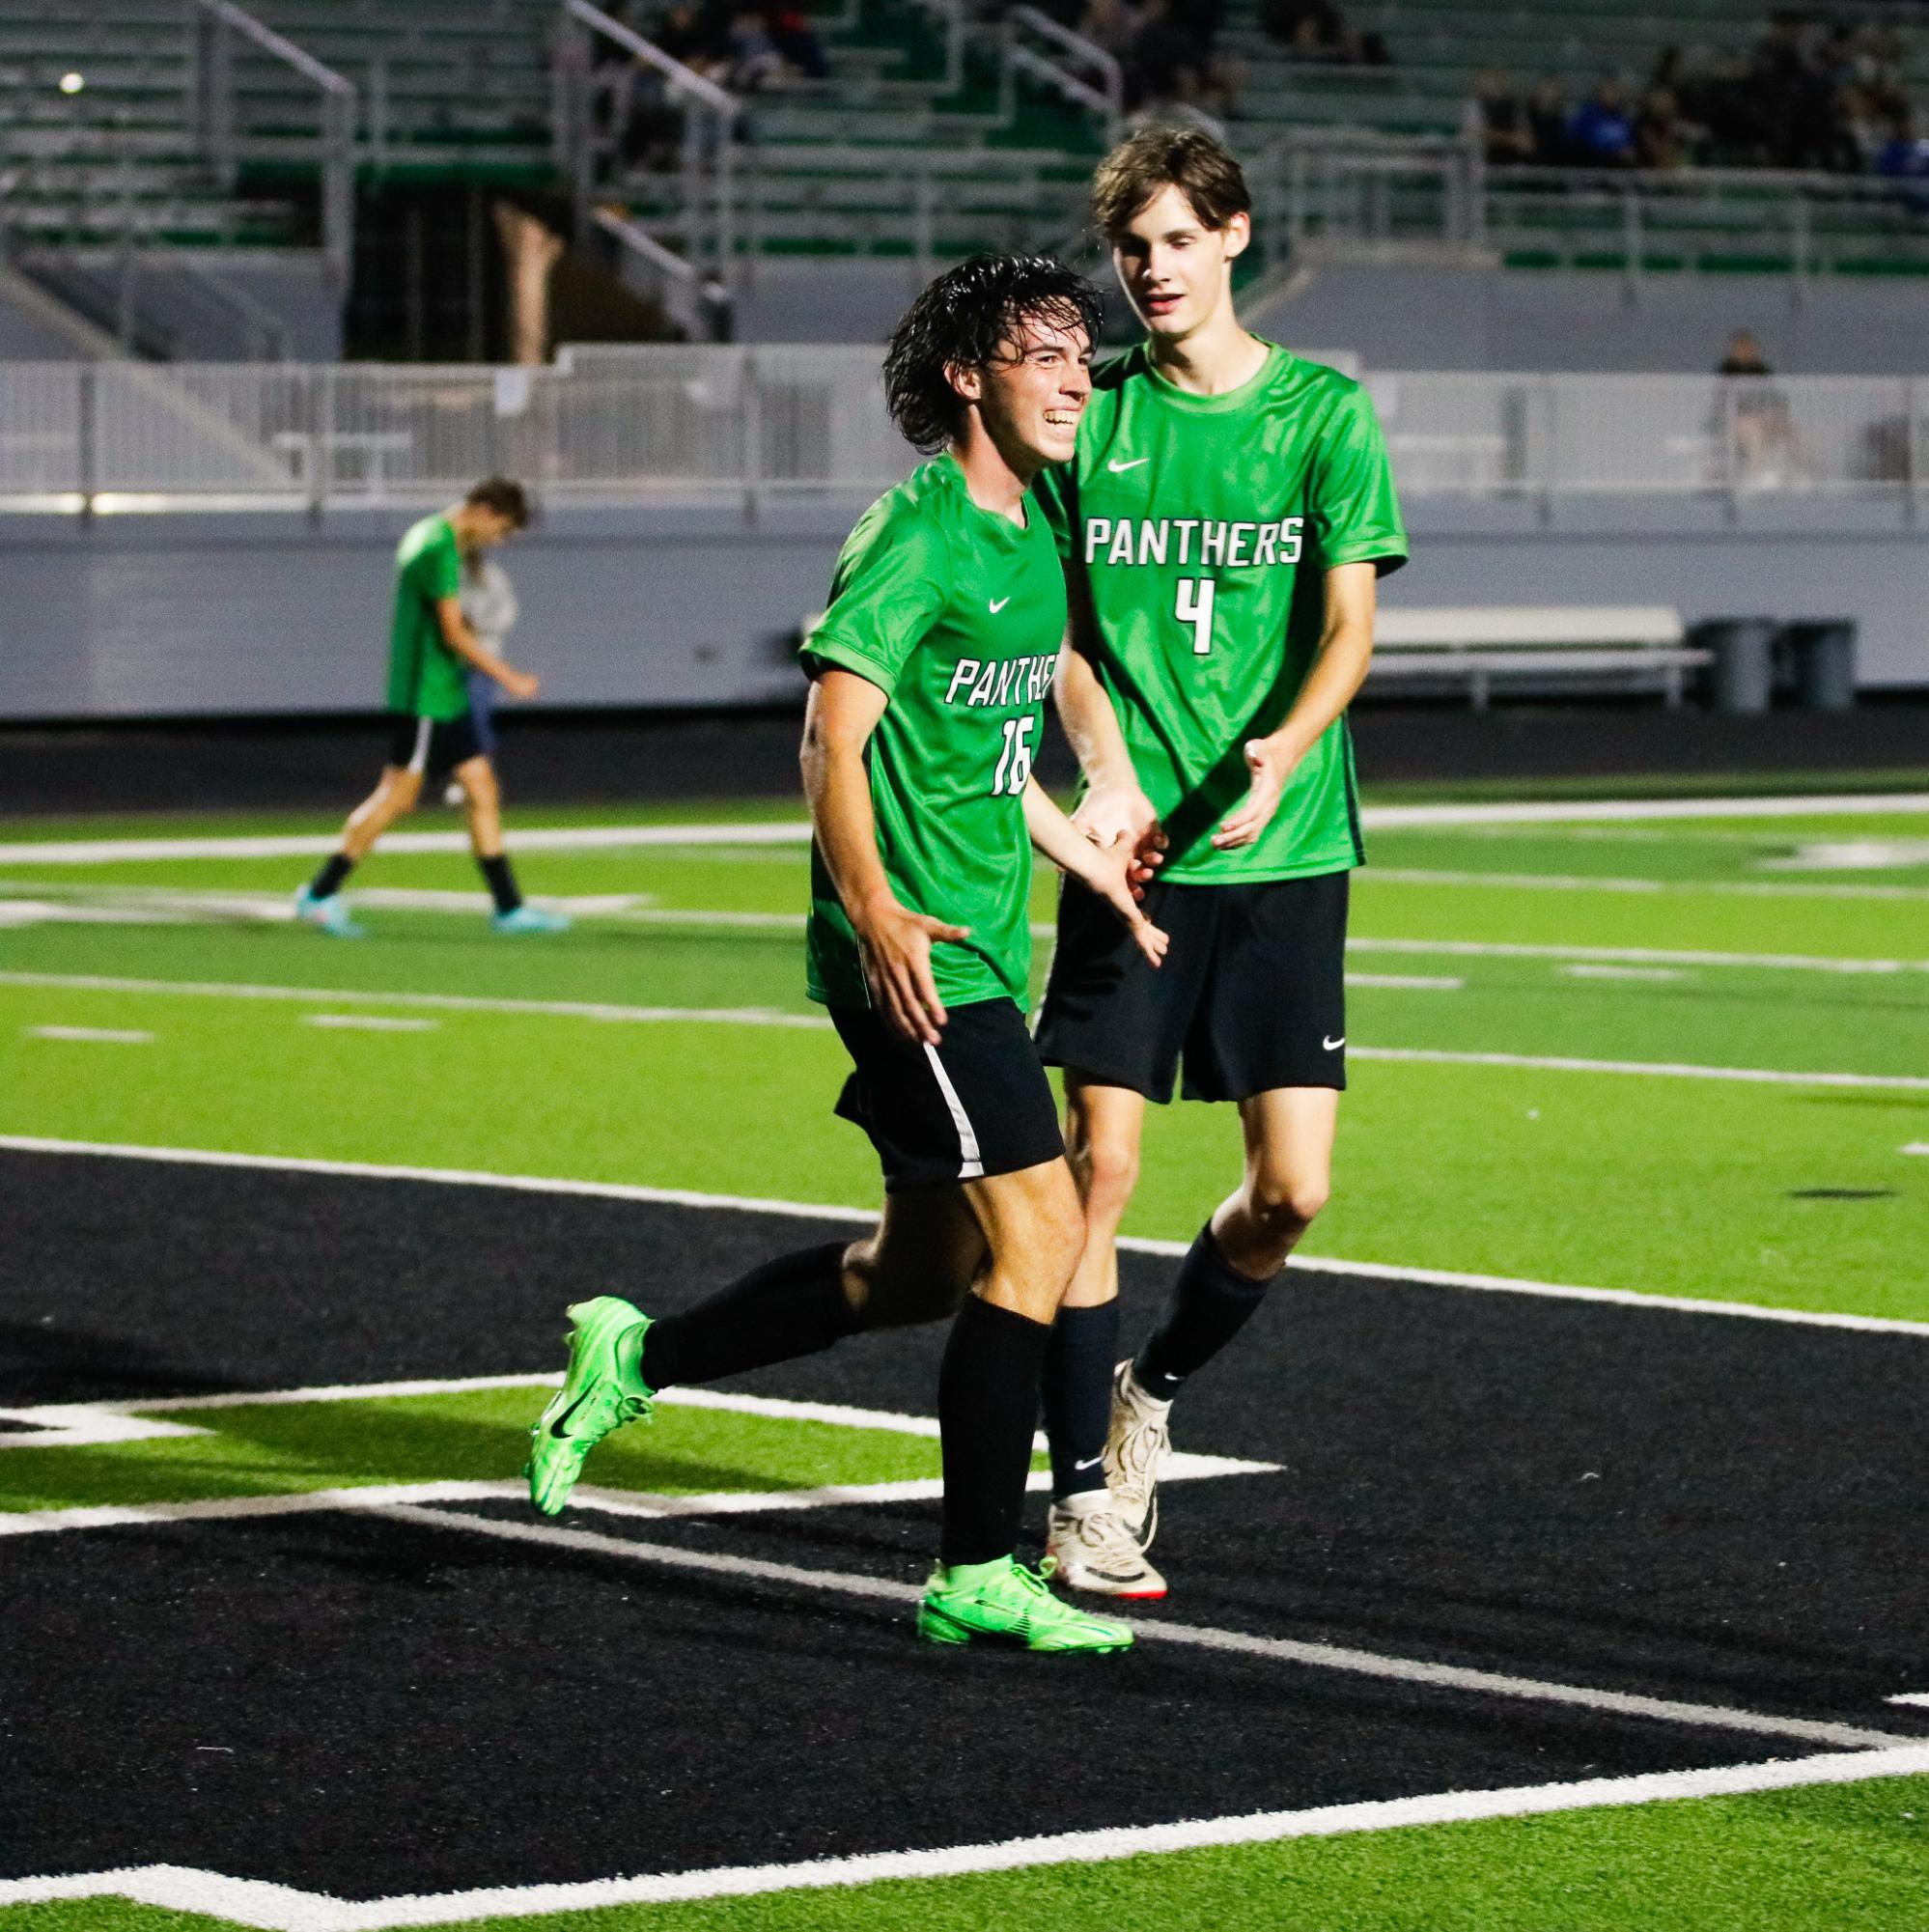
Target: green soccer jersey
(956, 614)
(1203, 525)
(426, 679)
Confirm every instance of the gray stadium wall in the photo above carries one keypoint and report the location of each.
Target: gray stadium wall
(180, 615)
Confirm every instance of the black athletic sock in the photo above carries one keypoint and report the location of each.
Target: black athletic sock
(792, 1306)
(987, 1410)
(1211, 1302)
(328, 881)
(1077, 1392)
(502, 886)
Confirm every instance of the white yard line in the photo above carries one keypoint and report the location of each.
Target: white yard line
(752, 1016)
(618, 1191)
(109, 1036)
(1316, 1656)
(1920, 1698)
(1482, 949)
(1407, 982)
(790, 831)
(276, 1908)
(367, 1022)
(1916, 1147)
(1561, 881)
(1656, 975)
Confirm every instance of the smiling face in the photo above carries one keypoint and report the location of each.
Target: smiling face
(1176, 271)
(1030, 396)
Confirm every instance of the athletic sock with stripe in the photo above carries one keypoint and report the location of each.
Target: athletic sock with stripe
(986, 1412)
(1077, 1392)
(1211, 1302)
(789, 1308)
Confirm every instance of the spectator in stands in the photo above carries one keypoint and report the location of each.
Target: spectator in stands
(798, 43)
(1110, 25)
(1316, 30)
(1905, 158)
(755, 63)
(1662, 136)
(1506, 128)
(1168, 65)
(1754, 425)
(1602, 132)
(1548, 117)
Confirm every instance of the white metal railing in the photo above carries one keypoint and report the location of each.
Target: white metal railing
(712, 422)
(215, 118)
(1080, 70)
(592, 106)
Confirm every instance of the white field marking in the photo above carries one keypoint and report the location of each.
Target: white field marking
(687, 1198)
(1654, 1070)
(1916, 1147)
(111, 1036)
(277, 1908)
(443, 1002)
(636, 1503)
(45, 912)
(1598, 969)
(1563, 881)
(1920, 1697)
(789, 832)
(1631, 955)
(1286, 1650)
(1406, 981)
(757, 1016)
(1862, 854)
(367, 1022)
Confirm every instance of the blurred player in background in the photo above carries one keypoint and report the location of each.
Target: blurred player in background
(1224, 526)
(433, 733)
(929, 674)
(489, 611)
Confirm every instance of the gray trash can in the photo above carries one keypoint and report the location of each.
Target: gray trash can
(1823, 657)
(1743, 669)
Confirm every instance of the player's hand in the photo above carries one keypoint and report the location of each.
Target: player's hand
(1110, 812)
(1109, 873)
(895, 943)
(1268, 768)
(520, 684)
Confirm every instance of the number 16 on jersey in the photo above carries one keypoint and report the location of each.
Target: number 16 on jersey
(1194, 606)
(1013, 771)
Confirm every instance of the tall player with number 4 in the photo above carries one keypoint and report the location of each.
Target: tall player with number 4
(1223, 527)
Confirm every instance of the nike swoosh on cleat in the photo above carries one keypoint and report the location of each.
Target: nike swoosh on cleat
(556, 1428)
(1119, 469)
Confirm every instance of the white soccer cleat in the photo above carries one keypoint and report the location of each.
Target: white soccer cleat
(1089, 1548)
(1136, 1441)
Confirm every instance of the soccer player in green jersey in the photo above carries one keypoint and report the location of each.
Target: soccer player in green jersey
(928, 673)
(431, 731)
(1224, 526)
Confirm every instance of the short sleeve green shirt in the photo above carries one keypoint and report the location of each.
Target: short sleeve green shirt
(1203, 526)
(956, 614)
(426, 679)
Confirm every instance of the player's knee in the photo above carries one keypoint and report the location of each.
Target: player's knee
(1289, 1202)
(1107, 1172)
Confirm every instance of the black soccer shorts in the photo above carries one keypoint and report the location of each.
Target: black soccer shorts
(976, 1104)
(1252, 991)
(433, 746)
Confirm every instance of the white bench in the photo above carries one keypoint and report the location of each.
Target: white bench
(1635, 648)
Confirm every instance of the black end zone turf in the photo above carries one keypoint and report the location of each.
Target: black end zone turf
(1715, 1509)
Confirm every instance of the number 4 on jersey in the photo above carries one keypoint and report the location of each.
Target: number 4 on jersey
(1015, 764)
(1195, 607)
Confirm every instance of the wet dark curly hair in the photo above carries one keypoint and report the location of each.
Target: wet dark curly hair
(965, 318)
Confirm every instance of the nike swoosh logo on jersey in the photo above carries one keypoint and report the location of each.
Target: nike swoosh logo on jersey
(1118, 468)
(1334, 1046)
(999, 603)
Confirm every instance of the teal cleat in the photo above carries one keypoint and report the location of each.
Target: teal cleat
(602, 1390)
(528, 918)
(326, 915)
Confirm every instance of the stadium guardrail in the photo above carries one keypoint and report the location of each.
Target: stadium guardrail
(658, 422)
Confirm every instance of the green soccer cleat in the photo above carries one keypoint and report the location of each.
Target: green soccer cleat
(599, 1394)
(1004, 1603)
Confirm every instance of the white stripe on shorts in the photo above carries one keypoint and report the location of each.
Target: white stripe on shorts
(418, 760)
(971, 1166)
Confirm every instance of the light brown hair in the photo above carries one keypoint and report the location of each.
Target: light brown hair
(1185, 158)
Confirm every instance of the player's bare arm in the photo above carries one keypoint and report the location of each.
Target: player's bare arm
(473, 652)
(895, 943)
(1338, 670)
(1106, 869)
